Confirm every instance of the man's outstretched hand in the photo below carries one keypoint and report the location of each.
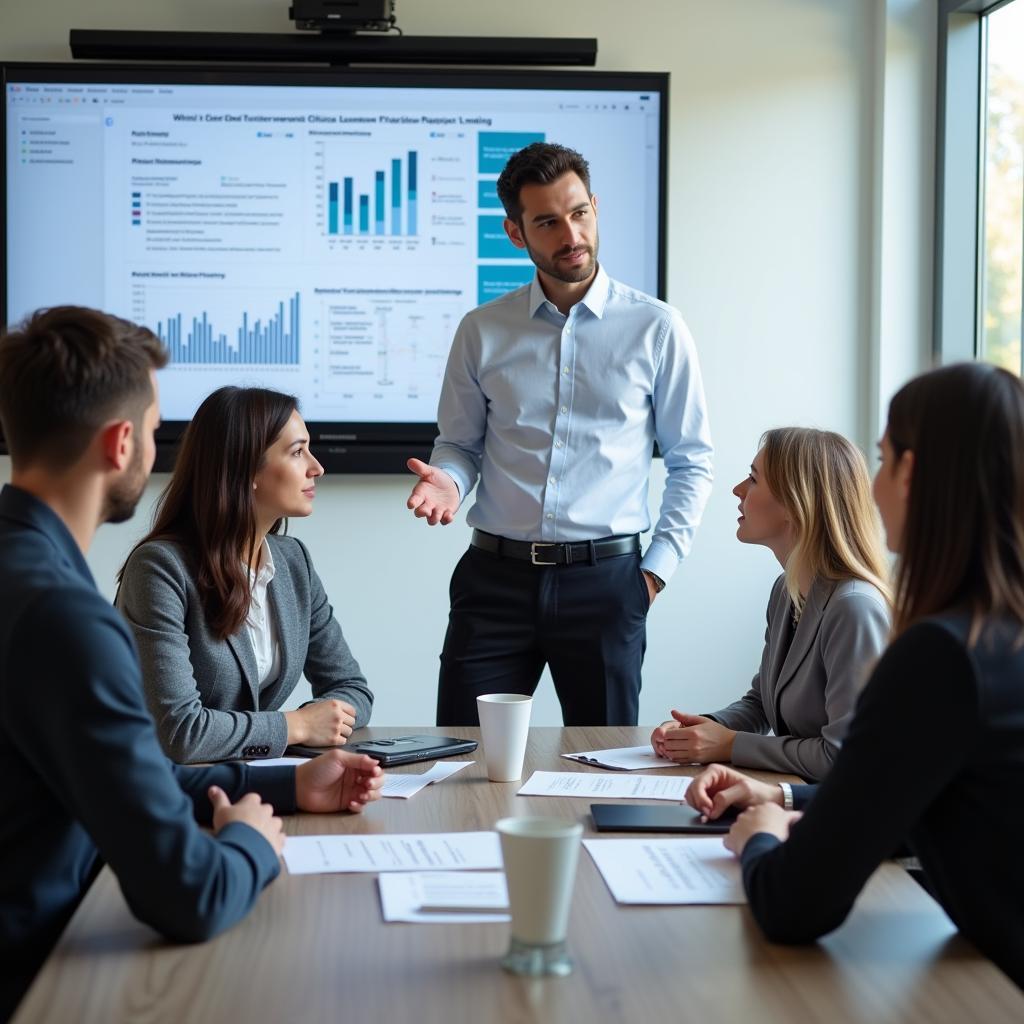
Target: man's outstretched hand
(435, 498)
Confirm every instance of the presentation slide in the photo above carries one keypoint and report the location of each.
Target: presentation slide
(324, 241)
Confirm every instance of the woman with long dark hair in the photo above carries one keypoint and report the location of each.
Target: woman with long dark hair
(227, 612)
(935, 752)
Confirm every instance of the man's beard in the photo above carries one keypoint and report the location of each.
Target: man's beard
(559, 271)
(124, 495)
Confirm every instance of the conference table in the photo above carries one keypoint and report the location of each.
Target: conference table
(315, 947)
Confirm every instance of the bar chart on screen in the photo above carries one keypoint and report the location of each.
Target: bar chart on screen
(394, 193)
(217, 327)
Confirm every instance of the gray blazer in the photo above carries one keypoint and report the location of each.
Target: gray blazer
(810, 678)
(203, 692)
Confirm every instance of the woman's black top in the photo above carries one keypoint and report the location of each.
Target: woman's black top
(934, 758)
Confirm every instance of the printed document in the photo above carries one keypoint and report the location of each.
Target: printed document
(404, 786)
(623, 759)
(444, 897)
(696, 870)
(619, 787)
(434, 851)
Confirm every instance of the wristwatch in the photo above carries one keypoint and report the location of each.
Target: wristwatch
(659, 583)
(787, 796)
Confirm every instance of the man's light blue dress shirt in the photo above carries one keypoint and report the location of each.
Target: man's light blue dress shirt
(558, 415)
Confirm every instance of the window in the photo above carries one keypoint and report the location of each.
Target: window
(1002, 194)
(979, 251)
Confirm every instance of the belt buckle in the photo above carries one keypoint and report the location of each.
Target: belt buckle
(533, 552)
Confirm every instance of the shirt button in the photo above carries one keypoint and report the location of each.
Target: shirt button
(550, 515)
(558, 444)
(552, 481)
(564, 409)
(565, 370)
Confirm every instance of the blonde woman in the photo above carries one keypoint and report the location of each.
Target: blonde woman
(807, 499)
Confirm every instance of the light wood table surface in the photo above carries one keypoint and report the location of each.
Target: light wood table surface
(316, 949)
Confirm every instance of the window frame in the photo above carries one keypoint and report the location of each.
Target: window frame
(960, 178)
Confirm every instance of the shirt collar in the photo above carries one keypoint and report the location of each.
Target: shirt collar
(266, 570)
(19, 506)
(595, 299)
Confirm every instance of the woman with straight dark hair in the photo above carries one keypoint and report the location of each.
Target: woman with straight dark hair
(935, 752)
(227, 612)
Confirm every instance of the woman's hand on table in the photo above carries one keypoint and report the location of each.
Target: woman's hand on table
(719, 787)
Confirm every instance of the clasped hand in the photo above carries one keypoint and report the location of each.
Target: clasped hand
(692, 739)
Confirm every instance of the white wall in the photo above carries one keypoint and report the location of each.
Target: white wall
(777, 191)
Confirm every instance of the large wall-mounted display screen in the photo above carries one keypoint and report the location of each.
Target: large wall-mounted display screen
(320, 232)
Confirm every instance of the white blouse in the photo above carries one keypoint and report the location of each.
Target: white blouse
(259, 623)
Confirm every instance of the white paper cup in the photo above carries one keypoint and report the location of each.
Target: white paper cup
(504, 727)
(540, 856)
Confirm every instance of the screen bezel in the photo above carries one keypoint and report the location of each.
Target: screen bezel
(340, 437)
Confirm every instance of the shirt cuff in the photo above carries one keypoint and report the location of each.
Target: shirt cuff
(245, 838)
(660, 559)
(275, 785)
(757, 845)
(461, 482)
(802, 794)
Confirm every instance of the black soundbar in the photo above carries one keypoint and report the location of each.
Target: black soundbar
(335, 458)
(330, 48)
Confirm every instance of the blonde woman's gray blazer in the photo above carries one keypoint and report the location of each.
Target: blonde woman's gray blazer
(204, 692)
(809, 679)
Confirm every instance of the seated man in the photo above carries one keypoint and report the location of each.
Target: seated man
(84, 779)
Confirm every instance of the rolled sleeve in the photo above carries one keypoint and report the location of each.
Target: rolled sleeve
(684, 437)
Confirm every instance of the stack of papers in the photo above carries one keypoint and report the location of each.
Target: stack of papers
(668, 871)
(620, 787)
(623, 759)
(444, 897)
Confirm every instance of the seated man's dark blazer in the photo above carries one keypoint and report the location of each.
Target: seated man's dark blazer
(84, 779)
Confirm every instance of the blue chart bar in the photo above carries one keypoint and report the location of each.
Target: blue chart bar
(332, 208)
(411, 201)
(269, 342)
(396, 197)
(378, 220)
(348, 206)
(382, 199)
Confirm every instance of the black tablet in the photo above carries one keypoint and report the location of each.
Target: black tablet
(392, 750)
(648, 818)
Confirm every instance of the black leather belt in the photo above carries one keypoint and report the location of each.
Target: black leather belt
(539, 552)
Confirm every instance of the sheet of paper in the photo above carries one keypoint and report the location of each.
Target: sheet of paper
(444, 897)
(623, 759)
(697, 870)
(435, 851)
(276, 762)
(620, 787)
(405, 786)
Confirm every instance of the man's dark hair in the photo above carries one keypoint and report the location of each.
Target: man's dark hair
(540, 163)
(66, 371)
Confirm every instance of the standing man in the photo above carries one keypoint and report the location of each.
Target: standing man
(84, 779)
(554, 396)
